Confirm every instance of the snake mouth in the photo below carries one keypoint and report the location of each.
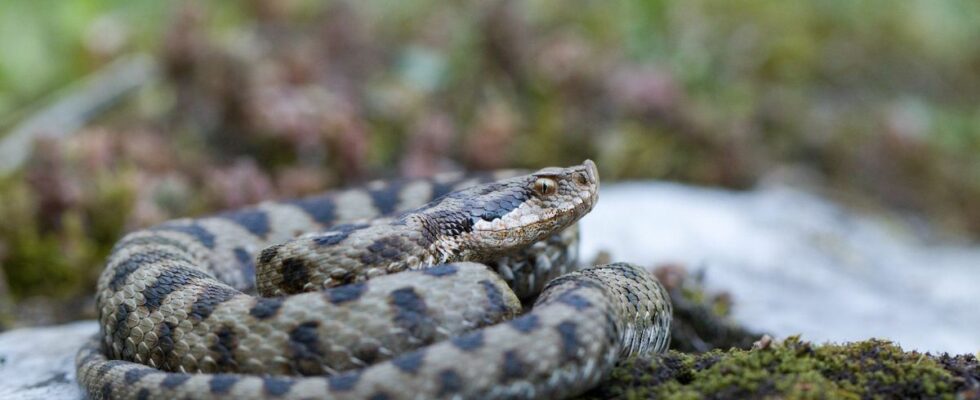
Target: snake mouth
(516, 233)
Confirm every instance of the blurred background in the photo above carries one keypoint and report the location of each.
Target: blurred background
(118, 114)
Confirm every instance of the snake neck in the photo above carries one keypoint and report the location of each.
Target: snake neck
(440, 243)
(449, 239)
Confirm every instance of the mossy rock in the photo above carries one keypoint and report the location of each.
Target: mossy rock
(796, 369)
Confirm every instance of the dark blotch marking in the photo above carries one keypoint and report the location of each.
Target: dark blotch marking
(409, 363)
(194, 230)
(108, 366)
(222, 383)
(514, 367)
(569, 341)
(120, 331)
(380, 396)
(246, 262)
(526, 324)
(337, 234)
(495, 297)
(169, 280)
(343, 294)
(468, 342)
(386, 198)
(411, 313)
(575, 300)
(256, 221)
(349, 227)
(269, 253)
(369, 258)
(224, 348)
(172, 380)
(344, 382)
(497, 207)
(304, 347)
(368, 354)
(125, 268)
(208, 300)
(442, 189)
(137, 260)
(143, 394)
(165, 337)
(441, 270)
(611, 327)
(107, 390)
(134, 375)
(265, 307)
(569, 279)
(388, 248)
(321, 208)
(452, 222)
(627, 272)
(430, 230)
(276, 386)
(449, 382)
(294, 275)
(330, 238)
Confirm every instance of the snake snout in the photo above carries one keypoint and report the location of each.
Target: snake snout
(592, 172)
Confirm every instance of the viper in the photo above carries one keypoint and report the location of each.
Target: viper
(406, 289)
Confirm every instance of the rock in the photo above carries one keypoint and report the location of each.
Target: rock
(797, 264)
(39, 363)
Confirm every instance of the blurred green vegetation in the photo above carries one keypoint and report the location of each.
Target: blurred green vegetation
(265, 99)
(48, 44)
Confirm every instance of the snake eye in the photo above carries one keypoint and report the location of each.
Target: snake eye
(582, 180)
(545, 186)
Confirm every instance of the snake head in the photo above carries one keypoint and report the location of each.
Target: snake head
(485, 221)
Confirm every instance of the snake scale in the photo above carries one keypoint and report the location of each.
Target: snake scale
(397, 290)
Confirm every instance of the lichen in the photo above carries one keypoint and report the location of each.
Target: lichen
(795, 369)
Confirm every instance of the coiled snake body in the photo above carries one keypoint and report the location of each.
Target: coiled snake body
(177, 319)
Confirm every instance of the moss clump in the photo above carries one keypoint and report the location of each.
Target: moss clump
(795, 369)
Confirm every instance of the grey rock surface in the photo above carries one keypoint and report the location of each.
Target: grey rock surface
(799, 264)
(39, 363)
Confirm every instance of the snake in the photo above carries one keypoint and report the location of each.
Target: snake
(401, 289)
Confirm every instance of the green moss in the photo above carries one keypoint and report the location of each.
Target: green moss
(794, 369)
(60, 261)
